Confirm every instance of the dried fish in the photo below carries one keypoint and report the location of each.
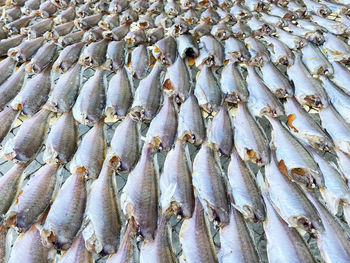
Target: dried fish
(34, 94)
(308, 90)
(26, 50)
(47, 9)
(7, 67)
(332, 26)
(337, 128)
(60, 30)
(59, 231)
(302, 125)
(139, 63)
(155, 34)
(136, 37)
(162, 130)
(279, 51)
(246, 195)
(103, 214)
(38, 29)
(207, 90)
(336, 49)
(147, 95)
(249, 139)
(235, 50)
(71, 38)
(65, 16)
(165, 50)
(117, 33)
(94, 55)
(208, 181)
(292, 41)
(90, 104)
(259, 53)
(42, 58)
(88, 22)
(28, 248)
(88, 159)
(139, 198)
(9, 186)
(341, 76)
(315, 61)
(236, 242)
(14, 27)
(179, 27)
(34, 198)
(61, 143)
(7, 119)
(195, 239)
(68, 56)
(28, 141)
(65, 92)
(77, 253)
(109, 22)
(261, 100)
(128, 16)
(191, 126)
(119, 94)
(293, 158)
(187, 46)
(317, 8)
(344, 164)
(115, 55)
(211, 52)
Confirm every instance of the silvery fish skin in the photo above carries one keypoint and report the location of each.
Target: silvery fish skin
(90, 104)
(65, 92)
(10, 88)
(172, 8)
(139, 198)
(210, 16)
(334, 242)
(42, 58)
(191, 126)
(315, 61)
(94, 55)
(256, 24)
(261, 100)
(235, 50)
(139, 6)
(93, 35)
(237, 245)
(176, 182)
(278, 11)
(221, 31)
(191, 16)
(249, 139)
(47, 9)
(61, 143)
(71, 38)
(117, 6)
(26, 49)
(315, 37)
(195, 238)
(339, 99)
(246, 195)
(308, 90)
(220, 132)
(29, 139)
(147, 95)
(8, 43)
(232, 84)
(293, 158)
(341, 76)
(292, 41)
(7, 67)
(208, 180)
(200, 30)
(128, 16)
(109, 22)
(344, 164)
(87, 22)
(336, 49)
(11, 14)
(302, 125)
(289, 200)
(125, 145)
(9, 186)
(59, 231)
(119, 94)
(336, 191)
(211, 52)
(279, 51)
(336, 8)
(37, 29)
(115, 55)
(317, 8)
(34, 198)
(240, 12)
(337, 128)
(68, 57)
(34, 94)
(276, 81)
(7, 119)
(179, 27)
(84, 10)
(60, 30)
(117, 33)
(14, 27)
(332, 26)
(140, 62)
(207, 90)
(177, 81)
(162, 130)
(77, 253)
(160, 249)
(312, 26)
(28, 248)
(241, 30)
(284, 243)
(127, 251)
(277, 20)
(165, 50)
(65, 16)
(30, 6)
(259, 53)
(88, 159)
(155, 34)
(103, 213)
